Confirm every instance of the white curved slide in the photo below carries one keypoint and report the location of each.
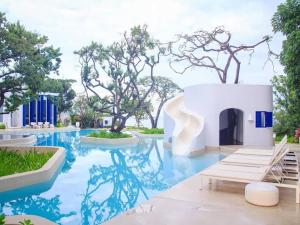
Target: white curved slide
(187, 135)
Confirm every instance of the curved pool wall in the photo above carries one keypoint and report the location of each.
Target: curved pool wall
(17, 139)
(98, 182)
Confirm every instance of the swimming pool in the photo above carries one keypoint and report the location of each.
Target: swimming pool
(97, 182)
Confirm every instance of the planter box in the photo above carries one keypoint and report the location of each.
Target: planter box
(41, 175)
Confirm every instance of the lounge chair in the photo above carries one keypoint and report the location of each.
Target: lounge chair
(251, 159)
(272, 173)
(267, 152)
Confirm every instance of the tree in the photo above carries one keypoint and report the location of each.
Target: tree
(66, 95)
(281, 108)
(87, 115)
(25, 61)
(163, 90)
(111, 73)
(139, 116)
(287, 20)
(201, 48)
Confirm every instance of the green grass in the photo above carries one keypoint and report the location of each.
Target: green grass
(2, 126)
(152, 131)
(107, 134)
(13, 162)
(134, 128)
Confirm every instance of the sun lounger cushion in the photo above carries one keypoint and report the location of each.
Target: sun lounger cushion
(254, 152)
(262, 194)
(247, 159)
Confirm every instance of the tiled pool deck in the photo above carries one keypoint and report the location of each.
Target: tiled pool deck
(217, 203)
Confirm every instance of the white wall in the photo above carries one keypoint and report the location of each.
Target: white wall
(17, 118)
(210, 99)
(14, 119)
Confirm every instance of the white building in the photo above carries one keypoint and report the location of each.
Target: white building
(219, 114)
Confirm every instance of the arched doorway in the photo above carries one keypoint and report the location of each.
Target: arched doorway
(231, 127)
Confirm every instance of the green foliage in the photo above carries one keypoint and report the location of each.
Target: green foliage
(291, 139)
(66, 96)
(2, 126)
(2, 219)
(108, 134)
(139, 115)
(287, 20)
(84, 109)
(152, 131)
(111, 73)
(59, 124)
(133, 128)
(163, 90)
(282, 106)
(287, 17)
(25, 61)
(13, 162)
(26, 222)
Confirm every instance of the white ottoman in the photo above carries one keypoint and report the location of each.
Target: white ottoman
(262, 194)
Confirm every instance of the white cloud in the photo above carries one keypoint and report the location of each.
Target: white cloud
(72, 24)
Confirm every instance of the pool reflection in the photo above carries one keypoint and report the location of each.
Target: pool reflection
(97, 182)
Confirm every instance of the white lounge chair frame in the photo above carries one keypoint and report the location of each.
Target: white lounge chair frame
(248, 174)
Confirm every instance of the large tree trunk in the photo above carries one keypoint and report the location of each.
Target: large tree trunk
(138, 121)
(118, 124)
(154, 120)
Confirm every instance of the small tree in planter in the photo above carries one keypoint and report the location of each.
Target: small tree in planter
(202, 49)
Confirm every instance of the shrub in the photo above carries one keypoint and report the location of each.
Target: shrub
(2, 126)
(134, 128)
(67, 122)
(153, 131)
(108, 134)
(291, 139)
(24, 222)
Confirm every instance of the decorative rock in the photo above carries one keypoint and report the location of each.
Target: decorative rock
(262, 194)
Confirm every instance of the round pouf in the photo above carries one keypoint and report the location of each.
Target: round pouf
(262, 194)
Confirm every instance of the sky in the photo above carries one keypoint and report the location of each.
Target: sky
(72, 24)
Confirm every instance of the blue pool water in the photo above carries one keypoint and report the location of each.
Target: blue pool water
(97, 182)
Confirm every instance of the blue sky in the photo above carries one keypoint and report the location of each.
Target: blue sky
(73, 24)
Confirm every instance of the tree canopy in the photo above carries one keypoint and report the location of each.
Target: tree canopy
(202, 49)
(66, 94)
(25, 61)
(111, 73)
(287, 20)
(83, 109)
(163, 90)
